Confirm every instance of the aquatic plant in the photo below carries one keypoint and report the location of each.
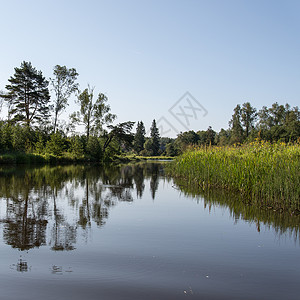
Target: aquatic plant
(266, 173)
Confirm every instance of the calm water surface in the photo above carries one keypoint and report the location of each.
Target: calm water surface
(129, 232)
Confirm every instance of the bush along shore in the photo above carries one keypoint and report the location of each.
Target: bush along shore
(68, 158)
(265, 174)
(37, 159)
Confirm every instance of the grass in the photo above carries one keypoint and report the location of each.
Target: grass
(264, 173)
(35, 159)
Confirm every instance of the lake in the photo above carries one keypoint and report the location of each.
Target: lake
(130, 232)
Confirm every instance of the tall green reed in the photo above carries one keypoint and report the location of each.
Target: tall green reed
(267, 174)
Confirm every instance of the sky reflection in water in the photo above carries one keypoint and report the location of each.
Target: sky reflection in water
(131, 233)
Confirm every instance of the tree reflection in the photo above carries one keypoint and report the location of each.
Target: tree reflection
(154, 180)
(84, 208)
(139, 177)
(48, 205)
(25, 222)
(63, 235)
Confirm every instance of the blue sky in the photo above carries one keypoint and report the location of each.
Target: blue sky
(145, 55)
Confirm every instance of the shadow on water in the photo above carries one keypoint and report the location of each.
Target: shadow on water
(34, 215)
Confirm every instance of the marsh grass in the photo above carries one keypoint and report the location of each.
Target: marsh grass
(264, 173)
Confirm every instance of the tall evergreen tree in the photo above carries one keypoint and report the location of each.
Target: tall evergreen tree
(63, 85)
(28, 95)
(139, 138)
(155, 138)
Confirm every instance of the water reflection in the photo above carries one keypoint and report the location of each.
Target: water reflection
(282, 221)
(46, 205)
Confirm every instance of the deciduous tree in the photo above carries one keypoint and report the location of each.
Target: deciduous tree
(121, 132)
(63, 85)
(92, 114)
(236, 128)
(248, 117)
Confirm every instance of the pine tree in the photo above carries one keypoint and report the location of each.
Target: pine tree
(28, 95)
(139, 138)
(155, 138)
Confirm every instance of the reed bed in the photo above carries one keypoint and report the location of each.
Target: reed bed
(268, 174)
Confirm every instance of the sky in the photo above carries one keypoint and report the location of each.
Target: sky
(184, 63)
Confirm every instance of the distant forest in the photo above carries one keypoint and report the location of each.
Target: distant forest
(33, 123)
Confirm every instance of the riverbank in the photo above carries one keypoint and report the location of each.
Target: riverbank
(36, 159)
(265, 174)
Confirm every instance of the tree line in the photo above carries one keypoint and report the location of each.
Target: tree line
(276, 123)
(33, 123)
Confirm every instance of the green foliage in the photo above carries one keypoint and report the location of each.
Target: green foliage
(154, 142)
(112, 151)
(170, 150)
(7, 159)
(76, 146)
(139, 138)
(39, 145)
(223, 137)
(148, 151)
(185, 139)
(19, 138)
(121, 135)
(21, 158)
(94, 149)
(262, 172)
(63, 85)
(205, 137)
(6, 137)
(248, 117)
(93, 115)
(163, 142)
(28, 98)
(56, 145)
(28, 95)
(236, 129)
